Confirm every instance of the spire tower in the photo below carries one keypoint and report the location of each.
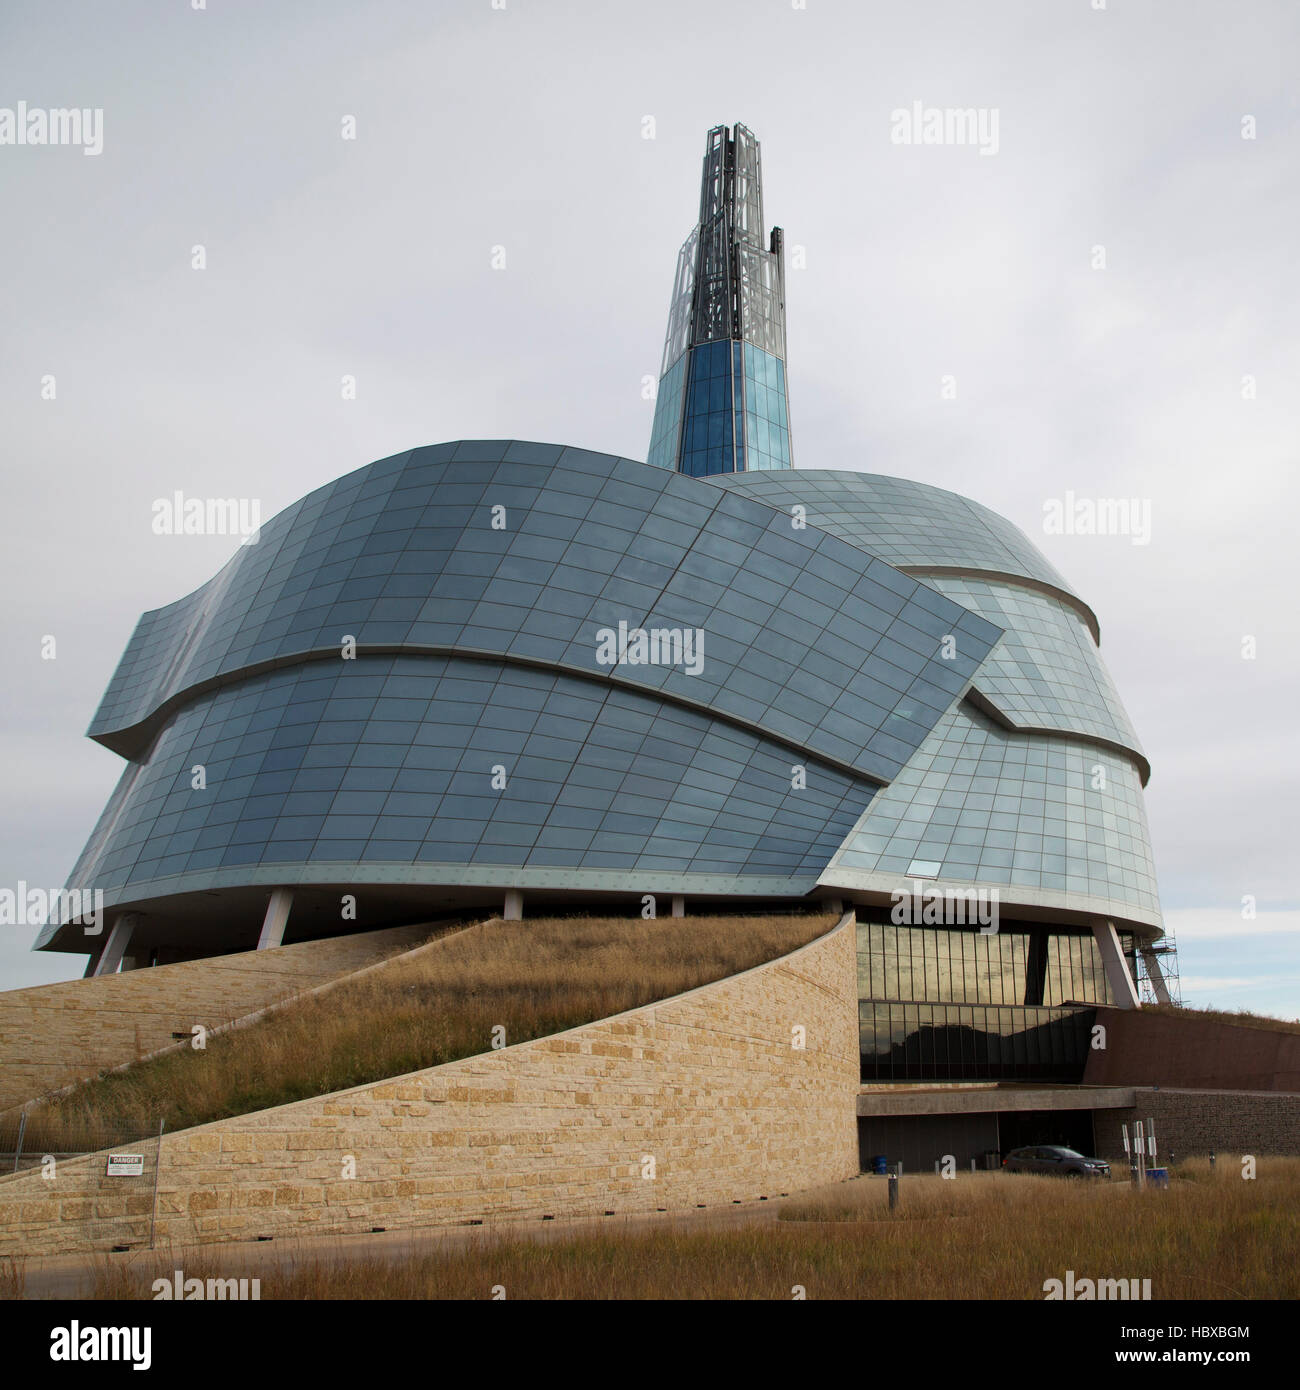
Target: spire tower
(722, 404)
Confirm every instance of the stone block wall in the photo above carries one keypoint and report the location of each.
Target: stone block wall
(51, 1035)
(1192, 1123)
(702, 1098)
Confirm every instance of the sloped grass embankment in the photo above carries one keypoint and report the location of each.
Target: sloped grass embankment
(530, 978)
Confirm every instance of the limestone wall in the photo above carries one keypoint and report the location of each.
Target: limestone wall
(53, 1034)
(702, 1098)
(1192, 1123)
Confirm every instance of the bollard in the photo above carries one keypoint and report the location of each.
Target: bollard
(893, 1190)
(1211, 1160)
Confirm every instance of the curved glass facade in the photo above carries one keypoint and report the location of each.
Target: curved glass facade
(911, 525)
(800, 635)
(351, 683)
(1034, 781)
(819, 720)
(1012, 810)
(426, 761)
(1046, 672)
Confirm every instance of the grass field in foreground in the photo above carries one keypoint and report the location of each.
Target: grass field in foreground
(1212, 1235)
(531, 978)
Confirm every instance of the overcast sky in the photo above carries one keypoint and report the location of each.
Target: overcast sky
(522, 125)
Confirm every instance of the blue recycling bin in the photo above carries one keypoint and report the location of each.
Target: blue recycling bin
(880, 1165)
(1158, 1177)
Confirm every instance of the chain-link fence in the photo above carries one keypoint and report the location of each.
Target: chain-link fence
(97, 1182)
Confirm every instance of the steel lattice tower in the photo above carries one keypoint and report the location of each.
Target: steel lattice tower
(722, 405)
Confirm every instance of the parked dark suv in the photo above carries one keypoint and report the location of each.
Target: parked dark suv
(1052, 1158)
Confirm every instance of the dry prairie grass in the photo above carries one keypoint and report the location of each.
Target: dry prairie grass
(1243, 1018)
(979, 1236)
(532, 978)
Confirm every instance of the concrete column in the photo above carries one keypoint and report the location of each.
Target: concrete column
(1036, 967)
(1157, 976)
(1117, 976)
(119, 938)
(835, 905)
(679, 905)
(513, 911)
(276, 919)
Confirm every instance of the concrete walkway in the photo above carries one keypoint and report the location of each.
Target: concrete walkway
(74, 1276)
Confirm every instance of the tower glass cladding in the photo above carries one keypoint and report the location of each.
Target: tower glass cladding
(722, 405)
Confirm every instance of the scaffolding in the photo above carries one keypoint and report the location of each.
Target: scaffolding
(1157, 975)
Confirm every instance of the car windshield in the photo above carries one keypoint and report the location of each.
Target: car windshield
(1068, 1153)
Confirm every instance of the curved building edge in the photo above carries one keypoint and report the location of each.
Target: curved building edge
(152, 679)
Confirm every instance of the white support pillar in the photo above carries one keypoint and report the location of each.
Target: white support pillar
(513, 911)
(276, 919)
(1112, 957)
(119, 938)
(1157, 976)
(679, 905)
